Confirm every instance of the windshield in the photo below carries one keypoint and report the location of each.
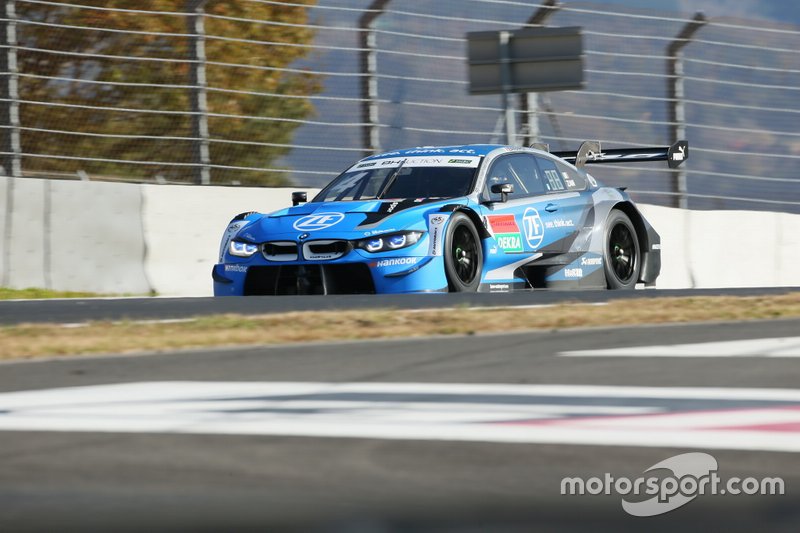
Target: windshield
(409, 182)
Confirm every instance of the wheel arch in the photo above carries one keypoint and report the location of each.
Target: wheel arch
(647, 237)
(474, 217)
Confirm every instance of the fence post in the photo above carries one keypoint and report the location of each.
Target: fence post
(675, 99)
(529, 102)
(371, 139)
(201, 155)
(505, 77)
(9, 93)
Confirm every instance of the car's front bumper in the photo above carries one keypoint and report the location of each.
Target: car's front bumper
(353, 274)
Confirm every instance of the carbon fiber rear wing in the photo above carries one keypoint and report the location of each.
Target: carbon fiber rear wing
(590, 152)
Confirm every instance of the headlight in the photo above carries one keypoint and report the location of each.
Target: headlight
(373, 245)
(392, 241)
(242, 249)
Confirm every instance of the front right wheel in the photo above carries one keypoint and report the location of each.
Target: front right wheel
(622, 257)
(463, 255)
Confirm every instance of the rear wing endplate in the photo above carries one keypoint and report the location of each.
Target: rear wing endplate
(590, 152)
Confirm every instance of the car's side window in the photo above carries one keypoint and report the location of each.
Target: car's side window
(520, 170)
(559, 177)
(572, 178)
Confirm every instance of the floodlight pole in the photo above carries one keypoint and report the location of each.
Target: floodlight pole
(529, 102)
(675, 99)
(201, 153)
(371, 140)
(9, 93)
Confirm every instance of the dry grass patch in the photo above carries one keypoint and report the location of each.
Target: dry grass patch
(31, 340)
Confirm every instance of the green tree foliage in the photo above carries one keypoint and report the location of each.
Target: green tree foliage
(231, 27)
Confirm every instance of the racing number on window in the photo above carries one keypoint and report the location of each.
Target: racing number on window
(553, 181)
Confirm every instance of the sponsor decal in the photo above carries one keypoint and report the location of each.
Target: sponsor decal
(592, 181)
(679, 154)
(509, 242)
(318, 221)
(559, 223)
(656, 247)
(591, 261)
(503, 224)
(573, 272)
(433, 161)
(493, 250)
(378, 232)
(534, 229)
(417, 158)
(395, 261)
(602, 156)
(424, 150)
(235, 268)
(506, 232)
(436, 224)
(499, 287)
(392, 207)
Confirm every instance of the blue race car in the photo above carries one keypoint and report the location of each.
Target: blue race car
(457, 218)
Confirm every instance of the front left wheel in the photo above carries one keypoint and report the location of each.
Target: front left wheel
(463, 257)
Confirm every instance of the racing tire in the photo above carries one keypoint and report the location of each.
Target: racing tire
(463, 255)
(622, 257)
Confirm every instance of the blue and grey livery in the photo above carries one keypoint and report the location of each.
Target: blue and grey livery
(452, 218)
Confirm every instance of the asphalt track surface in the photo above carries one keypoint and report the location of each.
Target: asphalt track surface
(83, 310)
(162, 481)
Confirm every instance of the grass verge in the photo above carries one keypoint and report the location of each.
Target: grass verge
(36, 340)
(33, 293)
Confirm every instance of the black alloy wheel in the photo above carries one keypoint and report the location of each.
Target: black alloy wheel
(463, 258)
(622, 255)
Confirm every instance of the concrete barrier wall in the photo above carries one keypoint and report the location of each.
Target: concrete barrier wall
(183, 226)
(709, 249)
(72, 235)
(126, 238)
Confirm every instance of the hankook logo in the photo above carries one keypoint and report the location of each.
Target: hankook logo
(318, 221)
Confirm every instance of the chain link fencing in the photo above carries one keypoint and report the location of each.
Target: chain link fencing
(262, 92)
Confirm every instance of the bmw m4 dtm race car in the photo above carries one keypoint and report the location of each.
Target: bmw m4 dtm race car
(455, 218)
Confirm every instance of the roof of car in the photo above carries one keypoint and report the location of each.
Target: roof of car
(467, 149)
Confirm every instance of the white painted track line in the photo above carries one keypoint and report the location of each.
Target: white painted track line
(742, 419)
(775, 347)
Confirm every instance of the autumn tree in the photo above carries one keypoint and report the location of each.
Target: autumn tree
(132, 55)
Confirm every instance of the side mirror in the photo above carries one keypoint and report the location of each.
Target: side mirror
(503, 189)
(299, 197)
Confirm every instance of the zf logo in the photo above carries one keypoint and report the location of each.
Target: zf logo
(534, 229)
(318, 221)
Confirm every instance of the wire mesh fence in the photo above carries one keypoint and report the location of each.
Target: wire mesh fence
(263, 92)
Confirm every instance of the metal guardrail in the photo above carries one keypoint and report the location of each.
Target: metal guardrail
(266, 92)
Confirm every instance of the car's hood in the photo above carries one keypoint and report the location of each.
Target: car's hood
(344, 219)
